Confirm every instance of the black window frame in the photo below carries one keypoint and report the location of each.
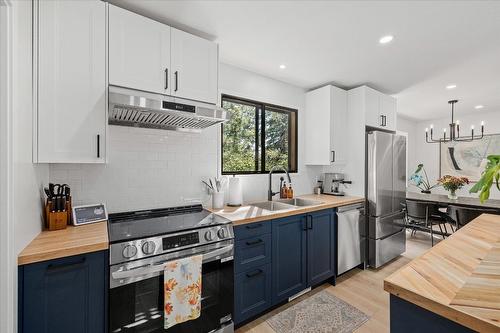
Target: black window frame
(260, 155)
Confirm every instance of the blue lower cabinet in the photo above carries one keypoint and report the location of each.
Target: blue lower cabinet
(289, 256)
(321, 246)
(64, 295)
(277, 259)
(406, 317)
(252, 292)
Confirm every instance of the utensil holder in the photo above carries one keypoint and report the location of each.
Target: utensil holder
(56, 220)
(217, 200)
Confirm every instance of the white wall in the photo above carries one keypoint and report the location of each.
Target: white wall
(409, 126)
(428, 154)
(238, 82)
(7, 275)
(26, 178)
(154, 168)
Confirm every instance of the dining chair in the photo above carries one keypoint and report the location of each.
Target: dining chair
(423, 216)
(460, 215)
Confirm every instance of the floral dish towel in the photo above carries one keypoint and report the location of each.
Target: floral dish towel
(182, 288)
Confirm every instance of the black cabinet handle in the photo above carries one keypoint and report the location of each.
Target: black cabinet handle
(383, 120)
(333, 156)
(176, 80)
(255, 273)
(69, 266)
(253, 226)
(305, 225)
(98, 146)
(166, 78)
(254, 242)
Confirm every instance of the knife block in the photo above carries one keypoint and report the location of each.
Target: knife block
(56, 220)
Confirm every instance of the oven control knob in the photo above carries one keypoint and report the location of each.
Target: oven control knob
(129, 251)
(209, 236)
(148, 247)
(222, 233)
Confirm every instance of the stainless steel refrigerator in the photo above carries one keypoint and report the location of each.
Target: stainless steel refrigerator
(385, 196)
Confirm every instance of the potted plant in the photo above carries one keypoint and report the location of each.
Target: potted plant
(452, 184)
(490, 174)
(419, 179)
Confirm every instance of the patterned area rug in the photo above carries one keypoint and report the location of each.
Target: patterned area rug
(322, 313)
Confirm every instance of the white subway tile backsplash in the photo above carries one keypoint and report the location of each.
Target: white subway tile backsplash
(146, 168)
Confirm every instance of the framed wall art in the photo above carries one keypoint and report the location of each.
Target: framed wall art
(467, 159)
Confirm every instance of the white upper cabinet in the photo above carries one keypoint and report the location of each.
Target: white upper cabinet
(388, 109)
(147, 55)
(379, 109)
(326, 126)
(194, 67)
(70, 76)
(139, 52)
(372, 107)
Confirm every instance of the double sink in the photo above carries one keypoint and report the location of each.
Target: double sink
(285, 204)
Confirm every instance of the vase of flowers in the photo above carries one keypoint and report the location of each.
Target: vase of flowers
(452, 184)
(419, 179)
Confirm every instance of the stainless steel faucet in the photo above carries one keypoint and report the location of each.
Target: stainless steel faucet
(270, 193)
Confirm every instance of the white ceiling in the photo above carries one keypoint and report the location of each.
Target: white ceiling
(436, 43)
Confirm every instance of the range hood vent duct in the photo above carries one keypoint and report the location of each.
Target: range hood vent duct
(141, 109)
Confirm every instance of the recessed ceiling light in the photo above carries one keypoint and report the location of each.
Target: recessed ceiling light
(451, 86)
(479, 107)
(282, 66)
(386, 39)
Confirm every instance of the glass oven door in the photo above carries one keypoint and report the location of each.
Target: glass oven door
(137, 305)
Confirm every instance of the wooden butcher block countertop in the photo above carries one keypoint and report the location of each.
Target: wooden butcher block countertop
(64, 243)
(248, 214)
(459, 278)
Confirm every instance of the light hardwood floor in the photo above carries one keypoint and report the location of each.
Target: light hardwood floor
(360, 288)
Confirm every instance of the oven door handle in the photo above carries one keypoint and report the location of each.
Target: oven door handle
(158, 267)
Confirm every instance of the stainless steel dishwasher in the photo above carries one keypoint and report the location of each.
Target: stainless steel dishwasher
(351, 241)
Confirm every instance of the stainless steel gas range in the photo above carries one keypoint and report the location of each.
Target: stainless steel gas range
(141, 242)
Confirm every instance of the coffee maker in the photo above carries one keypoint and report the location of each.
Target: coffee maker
(332, 183)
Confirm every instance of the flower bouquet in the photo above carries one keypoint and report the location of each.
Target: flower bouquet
(452, 184)
(419, 179)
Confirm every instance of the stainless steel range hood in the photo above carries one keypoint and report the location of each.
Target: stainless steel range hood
(136, 108)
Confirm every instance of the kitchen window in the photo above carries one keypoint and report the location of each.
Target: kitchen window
(258, 137)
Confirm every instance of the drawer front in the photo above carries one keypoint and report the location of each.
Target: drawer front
(381, 227)
(252, 229)
(252, 252)
(385, 249)
(252, 292)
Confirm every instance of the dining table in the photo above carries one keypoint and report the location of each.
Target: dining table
(443, 200)
(445, 204)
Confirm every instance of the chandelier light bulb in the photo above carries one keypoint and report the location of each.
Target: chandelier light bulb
(444, 130)
(472, 127)
(482, 122)
(426, 130)
(457, 122)
(432, 126)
